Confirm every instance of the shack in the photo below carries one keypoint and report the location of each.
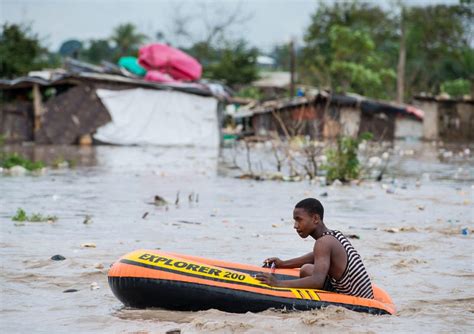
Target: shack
(447, 118)
(325, 116)
(84, 105)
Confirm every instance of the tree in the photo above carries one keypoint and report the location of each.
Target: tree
(361, 72)
(235, 64)
(71, 48)
(439, 46)
(366, 22)
(127, 40)
(98, 50)
(426, 46)
(281, 54)
(20, 51)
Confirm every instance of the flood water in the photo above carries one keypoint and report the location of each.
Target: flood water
(410, 227)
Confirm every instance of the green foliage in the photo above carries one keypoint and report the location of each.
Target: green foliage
(71, 48)
(359, 38)
(439, 45)
(11, 160)
(250, 92)
(281, 54)
(342, 161)
(20, 51)
(127, 40)
(456, 88)
(21, 216)
(354, 46)
(234, 64)
(97, 51)
(362, 71)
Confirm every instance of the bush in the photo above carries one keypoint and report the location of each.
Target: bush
(10, 160)
(456, 88)
(342, 161)
(21, 216)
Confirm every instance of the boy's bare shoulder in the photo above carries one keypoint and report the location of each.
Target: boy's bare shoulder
(326, 241)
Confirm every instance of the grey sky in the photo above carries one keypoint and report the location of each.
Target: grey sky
(271, 22)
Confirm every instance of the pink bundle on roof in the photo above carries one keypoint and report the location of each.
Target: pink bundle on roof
(158, 76)
(169, 60)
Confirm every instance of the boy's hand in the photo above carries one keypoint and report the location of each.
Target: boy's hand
(268, 262)
(267, 279)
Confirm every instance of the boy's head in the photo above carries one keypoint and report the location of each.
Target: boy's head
(308, 215)
(312, 206)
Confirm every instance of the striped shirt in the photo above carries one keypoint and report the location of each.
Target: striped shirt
(354, 281)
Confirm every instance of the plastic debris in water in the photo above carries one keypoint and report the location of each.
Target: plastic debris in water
(88, 245)
(58, 257)
(70, 290)
(98, 266)
(465, 231)
(159, 201)
(87, 220)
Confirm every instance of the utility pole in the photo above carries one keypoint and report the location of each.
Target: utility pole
(292, 67)
(401, 58)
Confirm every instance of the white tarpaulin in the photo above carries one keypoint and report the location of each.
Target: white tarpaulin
(144, 116)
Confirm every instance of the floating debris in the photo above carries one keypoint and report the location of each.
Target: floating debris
(176, 202)
(174, 331)
(189, 222)
(58, 257)
(159, 201)
(352, 236)
(98, 266)
(70, 290)
(88, 245)
(21, 216)
(95, 286)
(87, 220)
(145, 215)
(401, 229)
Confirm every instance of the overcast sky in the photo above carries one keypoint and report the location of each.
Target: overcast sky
(270, 21)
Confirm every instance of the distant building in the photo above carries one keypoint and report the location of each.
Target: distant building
(273, 84)
(63, 107)
(447, 118)
(266, 63)
(326, 116)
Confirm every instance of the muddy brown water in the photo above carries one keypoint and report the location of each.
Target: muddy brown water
(410, 238)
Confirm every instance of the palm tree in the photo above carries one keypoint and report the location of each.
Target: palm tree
(127, 40)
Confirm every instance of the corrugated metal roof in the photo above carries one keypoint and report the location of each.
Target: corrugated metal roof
(26, 82)
(347, 100)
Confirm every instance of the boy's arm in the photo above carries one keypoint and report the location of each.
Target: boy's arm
(297, 262)
(322, 261)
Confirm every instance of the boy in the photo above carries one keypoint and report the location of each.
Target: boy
(332, 258)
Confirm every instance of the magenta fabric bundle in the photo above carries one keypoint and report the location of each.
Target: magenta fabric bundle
(169, 61)
(158, 76)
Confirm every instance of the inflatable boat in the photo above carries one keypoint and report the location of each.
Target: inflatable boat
(150, 278)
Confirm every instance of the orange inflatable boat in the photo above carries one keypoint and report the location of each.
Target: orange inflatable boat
(149, 278)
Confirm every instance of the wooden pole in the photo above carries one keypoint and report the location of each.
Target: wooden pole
(37, 107)
(292, 68)
(401, 60)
